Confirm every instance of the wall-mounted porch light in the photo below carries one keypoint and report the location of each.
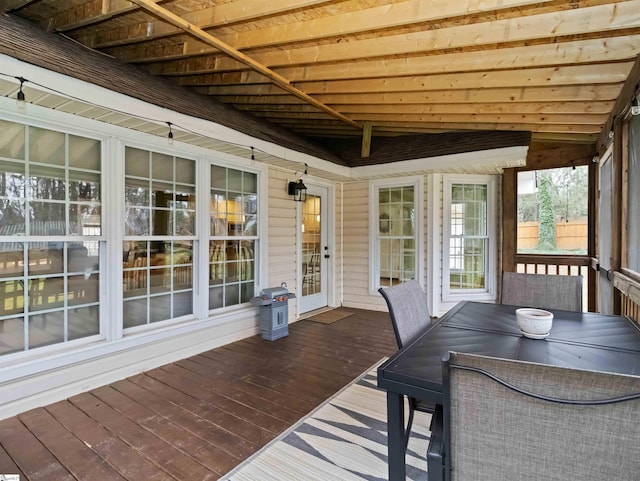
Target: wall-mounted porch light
(298, 190)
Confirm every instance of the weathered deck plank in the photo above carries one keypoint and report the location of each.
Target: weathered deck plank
(197, 418)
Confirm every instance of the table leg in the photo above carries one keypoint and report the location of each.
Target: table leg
(396, 436)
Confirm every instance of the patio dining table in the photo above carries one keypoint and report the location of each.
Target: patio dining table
(577, 340)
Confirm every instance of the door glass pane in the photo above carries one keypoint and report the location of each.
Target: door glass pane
(311, 240)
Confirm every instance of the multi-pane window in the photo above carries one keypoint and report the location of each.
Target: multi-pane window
(396, 234)
(50, 236)
(234, 236)
(468, 236)
(159, 242)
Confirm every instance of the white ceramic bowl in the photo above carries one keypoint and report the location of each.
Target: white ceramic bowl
(534, 321)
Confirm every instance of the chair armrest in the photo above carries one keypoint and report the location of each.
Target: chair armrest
(435, 451)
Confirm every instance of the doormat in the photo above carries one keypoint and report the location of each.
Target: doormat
(329, 317)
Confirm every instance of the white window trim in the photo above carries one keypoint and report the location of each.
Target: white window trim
(489, 293)
(417, 181)
(112, 338)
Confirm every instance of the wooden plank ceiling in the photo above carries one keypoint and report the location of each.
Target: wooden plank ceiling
(328, 68)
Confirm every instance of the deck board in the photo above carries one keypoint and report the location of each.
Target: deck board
(197, 418)
(129, 462)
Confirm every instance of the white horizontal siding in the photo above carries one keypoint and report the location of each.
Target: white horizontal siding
(282, 239)
(356, 249)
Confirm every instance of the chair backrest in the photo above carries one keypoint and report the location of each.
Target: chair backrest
(542, 290)
(497, 433)
(407, 304)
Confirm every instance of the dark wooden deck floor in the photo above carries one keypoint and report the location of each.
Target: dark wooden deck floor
(197, 418)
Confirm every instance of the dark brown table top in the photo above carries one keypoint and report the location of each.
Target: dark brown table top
(578, 340)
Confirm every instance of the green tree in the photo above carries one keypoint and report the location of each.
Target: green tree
(547, 240)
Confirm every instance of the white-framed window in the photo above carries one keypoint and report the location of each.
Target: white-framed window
(159, 237)
(396, 231)
(50, 236)
(233, 240)
(469, 246)
(102, 231)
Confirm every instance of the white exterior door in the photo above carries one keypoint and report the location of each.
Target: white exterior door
(314, 250)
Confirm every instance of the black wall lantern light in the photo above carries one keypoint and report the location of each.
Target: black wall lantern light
(297, 189)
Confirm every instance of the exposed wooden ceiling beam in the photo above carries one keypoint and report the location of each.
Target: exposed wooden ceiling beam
(519, 79)
(357, 20)
(214, 16)
(543, 55)
(277, 79)
(366, 139)
(580, 129)
(88, 13)
(566, 75)
(573, 119)
(498, 94)
(542, 108)
(584, 21)
(571, 93)
(558, 137)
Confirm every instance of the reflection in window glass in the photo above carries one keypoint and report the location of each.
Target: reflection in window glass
(396, 234)
(158, 268)
(12, 140)
(158, 205)
(468, 238)
(233, 242)
(45, 296)
(49, 289)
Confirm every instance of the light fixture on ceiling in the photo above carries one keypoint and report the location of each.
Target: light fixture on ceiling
(297, 189)
(170, 134)
(21, 102)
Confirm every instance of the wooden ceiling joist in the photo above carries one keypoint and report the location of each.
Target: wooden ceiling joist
(575, 53)
(356, 20)
(559, 70)
(600, 20)
(214, 16)
(277, 79)
(572, 93)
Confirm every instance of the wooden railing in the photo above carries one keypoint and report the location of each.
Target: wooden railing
(629, 289)
(556, 265)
